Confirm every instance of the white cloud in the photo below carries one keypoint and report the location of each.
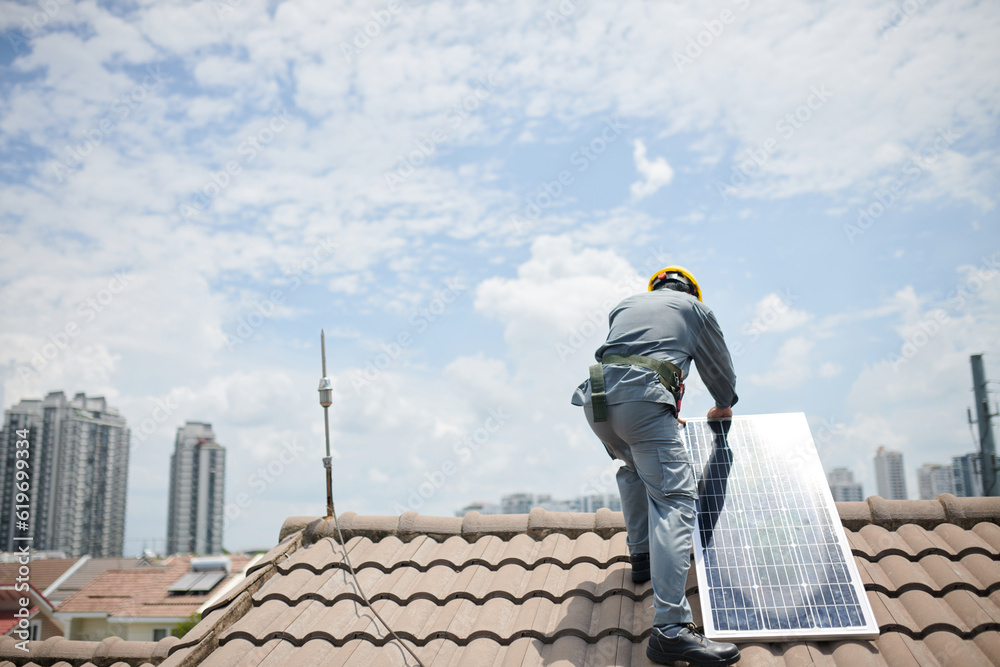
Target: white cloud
(561, 295)
(790, 369)
(541, 295)
(656, 173)
(774, 314)
(915, 398)
(829, 369)
(693, 217)
(824, 148)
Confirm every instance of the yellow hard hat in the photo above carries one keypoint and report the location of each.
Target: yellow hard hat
(683, 272)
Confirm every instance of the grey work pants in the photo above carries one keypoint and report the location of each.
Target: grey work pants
(658, 495)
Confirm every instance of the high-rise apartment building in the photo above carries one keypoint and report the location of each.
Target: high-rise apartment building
(197, 487)
(595, 502)
(967, 474)
(77, 476)
(522, 503)
(482, 507)
(889, 475)
(934, 479)
(843, 487)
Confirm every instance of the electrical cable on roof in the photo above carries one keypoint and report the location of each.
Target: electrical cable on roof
(326, 399)
(350, 567)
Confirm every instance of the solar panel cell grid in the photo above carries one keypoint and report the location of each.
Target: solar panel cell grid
(772, 558)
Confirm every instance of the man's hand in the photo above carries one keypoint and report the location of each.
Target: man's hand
(720, 413)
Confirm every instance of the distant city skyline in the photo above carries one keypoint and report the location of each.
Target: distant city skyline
(843, 487)
(187, 199)
(523, 503)
(933, 479)
(197, 492)
(197, 526)
(890, 474)
(78, 474)
(961, 477)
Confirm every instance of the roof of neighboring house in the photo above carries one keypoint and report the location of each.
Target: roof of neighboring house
(12, 593)
(141, 592)
(8, 621)
(71, 574)
(10, 606)
(87, 571)
(42, 572)
(553, 588)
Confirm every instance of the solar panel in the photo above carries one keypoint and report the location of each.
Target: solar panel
(197, 582)
(207, 582)
(183, 585)
(772, 557)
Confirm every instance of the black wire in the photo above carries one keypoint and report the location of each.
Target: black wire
(350, 567)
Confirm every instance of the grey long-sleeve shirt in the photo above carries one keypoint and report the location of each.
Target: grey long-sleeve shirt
(669, 326)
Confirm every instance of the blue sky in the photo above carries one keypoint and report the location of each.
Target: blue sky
(458, 193)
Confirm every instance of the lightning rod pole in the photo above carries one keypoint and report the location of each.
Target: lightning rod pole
(325, 399)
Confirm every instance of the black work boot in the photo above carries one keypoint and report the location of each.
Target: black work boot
(640, 568)
(691, 646)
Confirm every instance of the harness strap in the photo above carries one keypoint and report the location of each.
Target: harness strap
(669, 374)
(598, 399)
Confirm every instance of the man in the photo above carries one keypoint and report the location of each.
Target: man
(632, 402)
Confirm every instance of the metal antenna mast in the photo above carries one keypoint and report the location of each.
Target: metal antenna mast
(987, 451)
(325, 399)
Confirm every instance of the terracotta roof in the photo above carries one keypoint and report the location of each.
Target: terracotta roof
(41, 611)
(87, 571)
(43, 572)
(142, 591)
(8, 621)
(552, 588)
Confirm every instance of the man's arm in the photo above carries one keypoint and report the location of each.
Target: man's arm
(715, 366)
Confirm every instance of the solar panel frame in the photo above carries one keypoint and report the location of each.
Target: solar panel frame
(771, 555)
(197, 582)
(183, 584)
(207, 581)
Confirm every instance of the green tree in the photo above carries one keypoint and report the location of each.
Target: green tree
(184, 626)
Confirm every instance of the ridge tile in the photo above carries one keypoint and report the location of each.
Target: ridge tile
(504, 526)
(571, 524)
(892, 514)
(607, 524)
(854, 515)
(438, 528)
(967, 512)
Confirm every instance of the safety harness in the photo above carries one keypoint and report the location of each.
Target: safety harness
(670, 377)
